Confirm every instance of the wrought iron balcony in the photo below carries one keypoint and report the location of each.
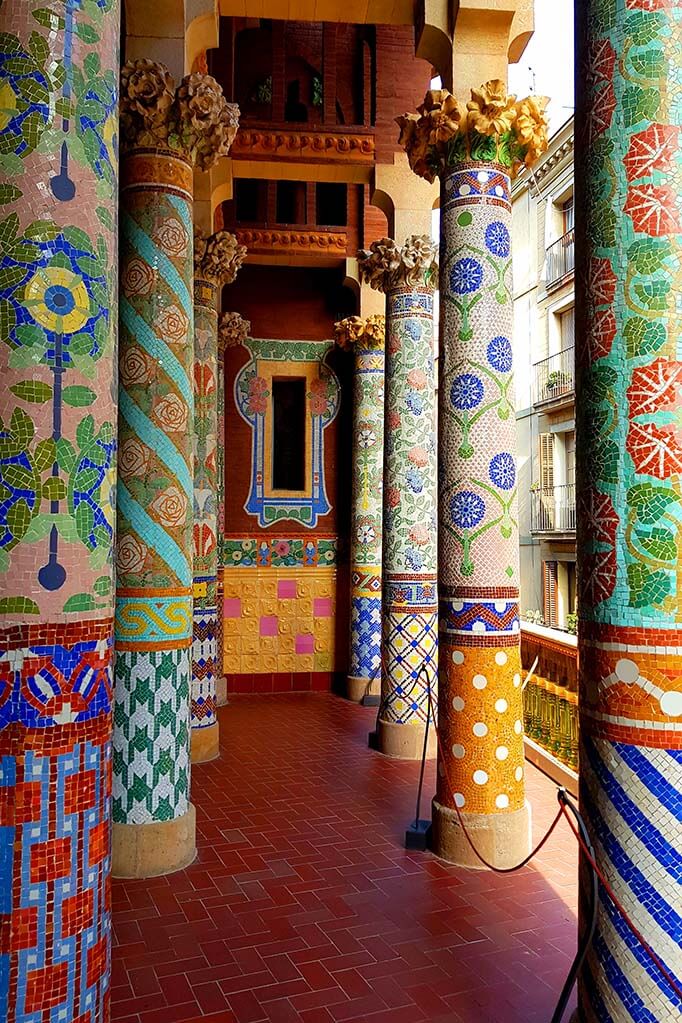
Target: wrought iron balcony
(554, 377)
(552, 509)
(560, 259)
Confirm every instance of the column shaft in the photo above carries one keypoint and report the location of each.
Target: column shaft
(57, 480)
(154, 820)
(364, 672)
(204, 723)
(410, 611)
(221, 682)
(481, 703)
(628, 406)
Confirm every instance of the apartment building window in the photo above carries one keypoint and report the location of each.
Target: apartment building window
(567, 328)
(549, 593)
(568, 215)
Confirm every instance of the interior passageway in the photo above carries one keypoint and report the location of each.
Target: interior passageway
(304, 907)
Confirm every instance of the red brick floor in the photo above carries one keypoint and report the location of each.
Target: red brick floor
(304, 907)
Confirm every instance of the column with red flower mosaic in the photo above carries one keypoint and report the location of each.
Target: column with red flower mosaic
(407, 276)
(365, 337)
(628, 416)
(165, 134)
(477, 149)
(216, 262)
(233, 330)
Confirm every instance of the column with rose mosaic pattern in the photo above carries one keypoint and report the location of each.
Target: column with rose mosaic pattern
(216, 262)
(477, 149)
(165, 133)
(232, 330)
(58, 264)
(407, 276)
(366, 338)
(628, 408)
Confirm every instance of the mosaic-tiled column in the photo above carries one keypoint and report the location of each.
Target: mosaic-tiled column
(232, 330)
(58, 258)
(628, 412)
(408, 276)
(476, 150)
(366, 339)
(165, 133)
(216, 262)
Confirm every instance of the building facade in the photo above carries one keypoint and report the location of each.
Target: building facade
(544, 346)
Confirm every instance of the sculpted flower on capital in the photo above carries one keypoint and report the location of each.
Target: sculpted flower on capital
(363, 333)
(386, 266)
(219, 257)
(195, 119)
(493, 127)
(233, 330)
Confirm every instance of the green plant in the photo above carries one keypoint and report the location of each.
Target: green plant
(557, 378)
(317, 91)
(572, 624)
(534, 617)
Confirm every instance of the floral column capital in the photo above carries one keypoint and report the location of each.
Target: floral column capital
(493, 127)
(233, 330)
(386, 266)
(194, 120)
(218, 258)
(367, 334)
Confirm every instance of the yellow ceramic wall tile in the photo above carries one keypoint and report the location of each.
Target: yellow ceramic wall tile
(287, 644)
(305, 588)
(323, 662)
(233, 626)
(269, 662)
(251, 644)
(304, 662)
(269, 644)
(287, 662)
(305, 607)
(270, 606)
(250, 663)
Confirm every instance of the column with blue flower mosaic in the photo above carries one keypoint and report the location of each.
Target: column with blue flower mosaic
(408, 275)
(477, 149)
(165, 133)
(365, 337)
(216, 262)
(58, 119)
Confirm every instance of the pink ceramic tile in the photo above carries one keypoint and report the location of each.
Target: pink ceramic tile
(323, 607)
(305, 643)
(269, 625)
(286, 589)
(232, 607)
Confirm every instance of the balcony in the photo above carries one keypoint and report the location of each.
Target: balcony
(553, 381)
(552, 509)
(560, 260)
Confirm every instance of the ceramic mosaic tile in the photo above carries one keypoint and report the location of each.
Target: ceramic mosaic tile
(629, 508)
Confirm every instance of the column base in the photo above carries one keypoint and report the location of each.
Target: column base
(149, 850)
(405, 742)
(205, 743)
(221, 692)
(503, 839)
(357, 688)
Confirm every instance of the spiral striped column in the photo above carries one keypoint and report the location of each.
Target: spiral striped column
(205, 735)
(153, 817)
(629, 460)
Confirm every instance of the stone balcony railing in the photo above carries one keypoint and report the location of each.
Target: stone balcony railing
(345, 144)
(551, 695)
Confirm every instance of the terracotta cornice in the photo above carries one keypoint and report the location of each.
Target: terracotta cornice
(255, 141)
(303, 240)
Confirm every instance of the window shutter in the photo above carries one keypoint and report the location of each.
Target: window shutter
(547, 461)
(549, 592)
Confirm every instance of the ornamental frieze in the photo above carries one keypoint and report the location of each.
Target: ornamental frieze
(256, 239)
(304, 144)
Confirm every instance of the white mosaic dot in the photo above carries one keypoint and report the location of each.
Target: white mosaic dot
(480, 729)
(515, 626)
(518, 727)
(627, 671)
(480, 777)
(482, 176)
(500, 606)
(501, 706)
(457, 657)
(502, 801)
(501, 658)
(478, 627)
(517, 681)
(501, 752)
(459, 799)
(464, 189)
(457, 703)
(457, 605)
(479, 681)
(671, 704)
(518, 773)
(458, 751)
